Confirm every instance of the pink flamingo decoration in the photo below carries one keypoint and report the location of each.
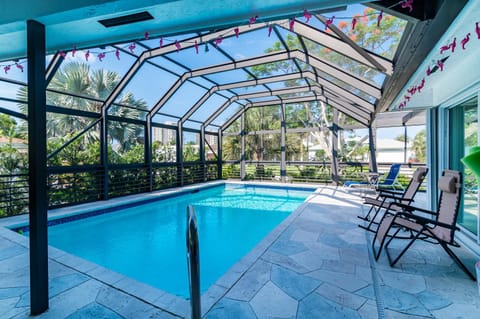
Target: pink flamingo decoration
(252, 20)
(407, 98)
(450, 46)
(117, 54)
(178, 46)
(354, 23)
(412, 90)
(444, 48)
(131, 47)
(440, 65)
(62, 54)
(329, 22)
(453, 45)
(429, 71)
(379, 18)
(465, 40)
(408, 4)
(291, 24)
(161, 43)
(101, 56)
(270, 28)
(307, 15)
(146, 35)
(420, 87)
(477, 30)
(87, 55)
(196, 46)
(74, 51)
(6, 69)
(237, 32)
(218, 41)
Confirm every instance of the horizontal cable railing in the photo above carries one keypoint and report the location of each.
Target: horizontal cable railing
(68, 185)
(311, 172)
(13, 194)
(73, 185)
(125, 180)
(165, 176)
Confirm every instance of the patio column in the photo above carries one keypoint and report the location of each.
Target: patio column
(202, 153)
(372, 136)
(148, 151)
(242, 146)
(405, 143)
(334, 131)
(432, 156)
(283, 158)
(219, 155)
(180, 154)
(37, 167)
(104, 152)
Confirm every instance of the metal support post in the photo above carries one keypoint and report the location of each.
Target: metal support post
(283, 157)
(37, 167)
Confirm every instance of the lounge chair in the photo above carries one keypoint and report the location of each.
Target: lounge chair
(387, 199)
(374, 180)
(439, 228)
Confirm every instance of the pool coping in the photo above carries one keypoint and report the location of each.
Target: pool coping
(144, 292)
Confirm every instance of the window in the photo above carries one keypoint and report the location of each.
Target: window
(463, 134)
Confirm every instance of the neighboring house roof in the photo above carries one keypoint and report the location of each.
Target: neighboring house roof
(16, 142)
(389, 144)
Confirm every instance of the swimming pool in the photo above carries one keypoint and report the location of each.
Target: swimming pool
(147, 241)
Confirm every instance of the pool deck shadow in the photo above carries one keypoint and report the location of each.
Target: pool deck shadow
(315, 264)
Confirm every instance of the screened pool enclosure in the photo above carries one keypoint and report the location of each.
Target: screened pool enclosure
(277, 99)
(100, 99)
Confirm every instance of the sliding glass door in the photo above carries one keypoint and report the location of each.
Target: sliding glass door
(463, 134)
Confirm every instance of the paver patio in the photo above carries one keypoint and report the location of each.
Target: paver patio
(316, 264)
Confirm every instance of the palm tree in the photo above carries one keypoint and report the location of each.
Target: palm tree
(420, 146)
(80, 82)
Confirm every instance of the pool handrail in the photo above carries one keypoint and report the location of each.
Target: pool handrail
(193, 262)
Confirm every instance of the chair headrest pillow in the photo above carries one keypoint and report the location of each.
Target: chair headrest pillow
(418, 175)
(447, 184)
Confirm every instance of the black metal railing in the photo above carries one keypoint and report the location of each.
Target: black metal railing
(74, 185)
(193, 263)
(310, 172)
(13, 194)
(69, 185)
(165, 176)
(127, 180)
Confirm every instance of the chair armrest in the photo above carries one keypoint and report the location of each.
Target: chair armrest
(418, 219)
(411, 208)
(388, 191)
(394, 197)
(425, 221)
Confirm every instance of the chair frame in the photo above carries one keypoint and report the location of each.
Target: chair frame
(424, 230)
(375, 180)
(388, 200)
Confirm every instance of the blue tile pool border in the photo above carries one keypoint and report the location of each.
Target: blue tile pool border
(176, 193)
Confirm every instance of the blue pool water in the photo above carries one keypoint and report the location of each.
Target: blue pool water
(147, 242)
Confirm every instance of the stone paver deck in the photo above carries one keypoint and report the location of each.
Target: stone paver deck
(316, 264)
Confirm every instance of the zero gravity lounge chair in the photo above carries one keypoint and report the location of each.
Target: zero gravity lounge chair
(387, 199)
(438, 229)
(390, 181)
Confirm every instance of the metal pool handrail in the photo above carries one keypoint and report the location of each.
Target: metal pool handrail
(193, 262)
